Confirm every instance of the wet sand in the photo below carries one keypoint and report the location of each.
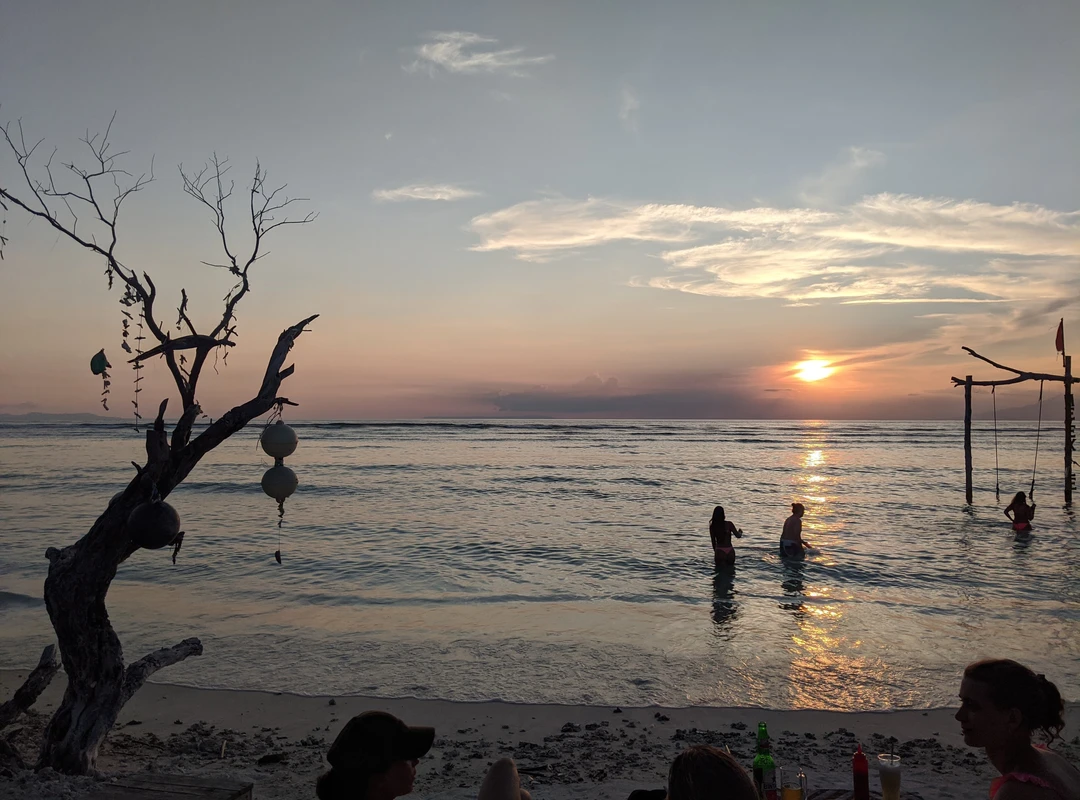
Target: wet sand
(277, 741)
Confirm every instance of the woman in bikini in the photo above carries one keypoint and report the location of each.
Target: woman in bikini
(1001, 704)
(1022, 514)
(720, 531)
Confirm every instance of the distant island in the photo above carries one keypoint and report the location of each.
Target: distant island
(37, 416)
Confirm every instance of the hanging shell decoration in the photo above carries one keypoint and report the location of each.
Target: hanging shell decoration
(279, 482)
(153, 524)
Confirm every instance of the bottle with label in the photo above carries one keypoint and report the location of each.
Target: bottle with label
(860, 773)
(764, 766)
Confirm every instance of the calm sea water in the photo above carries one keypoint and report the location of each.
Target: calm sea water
(569, 561)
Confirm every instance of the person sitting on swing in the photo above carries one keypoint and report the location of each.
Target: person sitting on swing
(1022, 513)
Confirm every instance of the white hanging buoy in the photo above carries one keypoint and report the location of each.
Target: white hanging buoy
(278, 440)
(279, 482)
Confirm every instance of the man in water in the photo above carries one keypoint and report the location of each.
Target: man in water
(791, 541)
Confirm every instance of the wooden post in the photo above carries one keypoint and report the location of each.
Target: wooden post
(1070, 433)
(967, 438)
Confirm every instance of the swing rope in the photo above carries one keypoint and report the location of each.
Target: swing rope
(997, 468)
(1038, 431)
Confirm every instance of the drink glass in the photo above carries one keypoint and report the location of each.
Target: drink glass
(792, 783)
(889, 771)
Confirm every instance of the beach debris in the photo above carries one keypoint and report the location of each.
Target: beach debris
(272, 758)
(570, 727)
(617, 710)
(332, 702)
(661, 717)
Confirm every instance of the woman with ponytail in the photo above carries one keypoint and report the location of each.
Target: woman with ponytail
(1002, 703)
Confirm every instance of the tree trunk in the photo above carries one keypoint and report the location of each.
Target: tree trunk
(75, 589)
(80, 575)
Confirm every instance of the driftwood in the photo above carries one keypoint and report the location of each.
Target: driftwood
(35, 683)
(85, 208)
(1021, 375)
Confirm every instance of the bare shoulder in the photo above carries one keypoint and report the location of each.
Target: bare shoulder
(1064, 776)
(1019, 790)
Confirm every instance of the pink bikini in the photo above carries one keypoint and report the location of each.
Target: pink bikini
(1021, 777)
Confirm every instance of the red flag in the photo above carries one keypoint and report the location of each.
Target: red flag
(1059, 342)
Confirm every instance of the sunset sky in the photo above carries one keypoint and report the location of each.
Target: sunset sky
(597, 209)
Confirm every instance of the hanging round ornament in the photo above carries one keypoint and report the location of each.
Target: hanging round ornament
(279, 482)
(278, 441)
(153, 524)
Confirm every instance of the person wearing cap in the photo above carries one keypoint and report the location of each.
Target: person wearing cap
(374, 757)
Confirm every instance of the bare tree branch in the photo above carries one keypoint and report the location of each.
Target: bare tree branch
(183, 461)
(35, 683)
(1023, 375)
(182, 313)
(42, 193)
(136, 674)
(192, 342)
(962, 381)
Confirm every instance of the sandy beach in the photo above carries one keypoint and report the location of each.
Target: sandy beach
(277, 741)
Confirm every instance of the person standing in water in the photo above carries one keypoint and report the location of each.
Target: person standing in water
(720, 532)
(791, 541)
(1022, 514)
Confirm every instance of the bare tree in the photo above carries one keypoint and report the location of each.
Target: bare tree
(83, 203)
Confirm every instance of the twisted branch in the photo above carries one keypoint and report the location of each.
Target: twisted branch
(136, 674)
(1022, 375)
(35, 683)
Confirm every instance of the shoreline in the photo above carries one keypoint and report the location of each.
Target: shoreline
(565, 751)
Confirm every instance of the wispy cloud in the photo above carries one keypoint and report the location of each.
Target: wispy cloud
(541, 228)
(835, 183)
(883, 248)
(434, 191)
(471, 53)
(629, 106)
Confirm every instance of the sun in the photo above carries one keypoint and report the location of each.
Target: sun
(813, 370)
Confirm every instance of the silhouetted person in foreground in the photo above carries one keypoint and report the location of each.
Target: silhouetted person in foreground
(1020, 513)
(791, 541)
(1001, 704)
(720, 532)
(704, 772)
(375, 757)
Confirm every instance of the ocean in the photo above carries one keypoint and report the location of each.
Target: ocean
(569, 561)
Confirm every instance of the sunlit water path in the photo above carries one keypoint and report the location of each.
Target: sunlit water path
(569, 562)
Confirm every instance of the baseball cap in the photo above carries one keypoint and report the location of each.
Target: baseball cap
(375, 739)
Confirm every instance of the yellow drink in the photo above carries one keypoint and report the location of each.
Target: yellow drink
(889, 772)
(791, 793)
